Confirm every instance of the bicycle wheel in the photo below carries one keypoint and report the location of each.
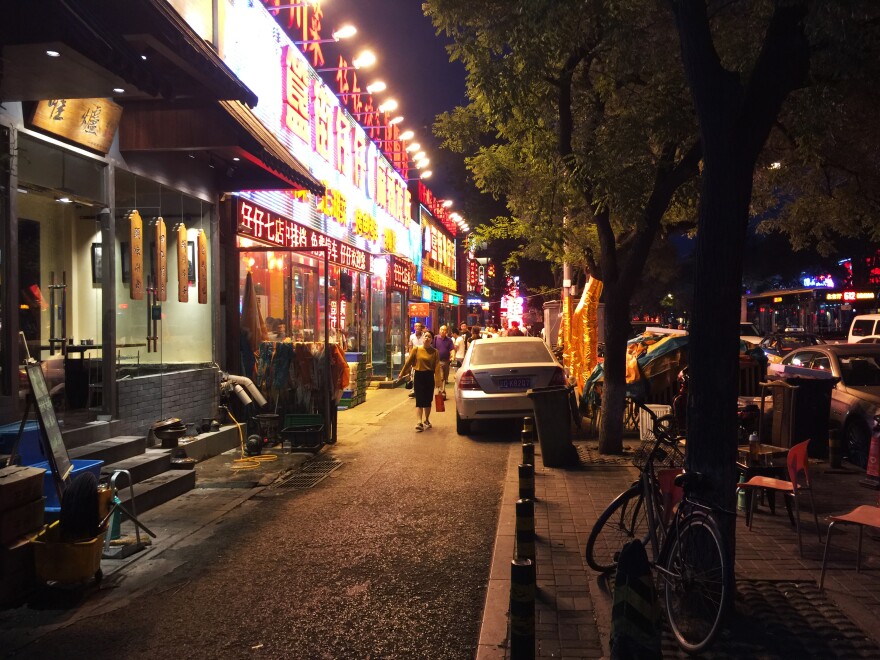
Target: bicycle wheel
(698, 581)
(625, 519)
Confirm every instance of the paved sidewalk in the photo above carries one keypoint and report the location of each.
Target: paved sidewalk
(780, 612)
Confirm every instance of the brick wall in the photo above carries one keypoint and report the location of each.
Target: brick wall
(189, 395)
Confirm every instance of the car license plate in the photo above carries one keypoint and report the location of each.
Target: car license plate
(521, 383)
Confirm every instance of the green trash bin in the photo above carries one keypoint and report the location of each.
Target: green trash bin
(553, 425)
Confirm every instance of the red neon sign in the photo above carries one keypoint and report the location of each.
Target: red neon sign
(262, 224)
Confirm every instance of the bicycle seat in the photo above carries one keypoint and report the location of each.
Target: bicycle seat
(690, 481)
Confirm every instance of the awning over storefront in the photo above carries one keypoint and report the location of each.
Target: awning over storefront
(245, 155)
(141, 46)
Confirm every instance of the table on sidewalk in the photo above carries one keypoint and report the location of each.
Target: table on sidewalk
(764, 462)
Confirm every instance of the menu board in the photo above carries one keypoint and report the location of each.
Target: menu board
(53, 443)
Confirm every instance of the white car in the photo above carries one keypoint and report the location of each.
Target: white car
(748, 332)
(495, 376)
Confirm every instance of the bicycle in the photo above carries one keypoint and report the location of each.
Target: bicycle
(688, 551)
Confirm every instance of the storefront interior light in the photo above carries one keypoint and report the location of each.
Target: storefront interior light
(119, 90)
(64, 200)
(53, 53)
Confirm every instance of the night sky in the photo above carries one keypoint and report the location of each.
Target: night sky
(413, 62)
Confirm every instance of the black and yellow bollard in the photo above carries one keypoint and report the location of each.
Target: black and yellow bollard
(522, 609)
(527, 482)
(525, 529)
(528, 453)
(528, 430)
(635, 612)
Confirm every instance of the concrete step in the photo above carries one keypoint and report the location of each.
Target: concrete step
(91, 432)
(141, 467)
(159, 489)
(111, 450)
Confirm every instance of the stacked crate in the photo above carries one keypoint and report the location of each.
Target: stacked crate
(21, 515)
(359, 378)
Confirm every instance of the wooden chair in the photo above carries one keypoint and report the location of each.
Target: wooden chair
(863, 516)
(797, 465)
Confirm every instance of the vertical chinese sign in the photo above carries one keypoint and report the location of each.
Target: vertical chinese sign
(136, 241)
(161, 258)
(202, 246)
(182, 265)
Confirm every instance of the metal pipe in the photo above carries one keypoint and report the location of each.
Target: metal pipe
(250, 387)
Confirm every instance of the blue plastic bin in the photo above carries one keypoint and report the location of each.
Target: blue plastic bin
(49, 480)
(30, 451)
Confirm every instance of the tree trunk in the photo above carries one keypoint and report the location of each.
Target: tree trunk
(614, 389)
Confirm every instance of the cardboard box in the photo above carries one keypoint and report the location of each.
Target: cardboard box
(22, 520)
(16, 571)
(19, 485)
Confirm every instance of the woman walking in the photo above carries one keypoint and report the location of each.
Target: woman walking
(424, 362)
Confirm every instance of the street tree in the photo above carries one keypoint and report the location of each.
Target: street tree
(777, 87)
(580, 119)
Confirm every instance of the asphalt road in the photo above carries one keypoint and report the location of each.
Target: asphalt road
(388, 557)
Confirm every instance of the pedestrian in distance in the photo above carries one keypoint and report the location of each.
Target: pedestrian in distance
(415, 340)
(459, 340)
(423, 363)
(474, 335)
(445, 347)
(514, 330)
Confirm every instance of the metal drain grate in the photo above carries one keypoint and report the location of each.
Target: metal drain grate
(589, 455)
(312, 473)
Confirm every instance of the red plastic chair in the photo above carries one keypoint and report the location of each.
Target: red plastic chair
(863, 516)
(797, 465)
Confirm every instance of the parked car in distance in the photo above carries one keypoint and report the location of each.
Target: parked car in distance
(864, 326)
(748, 332)
(855, 400)
(779, 344)
(496, 374)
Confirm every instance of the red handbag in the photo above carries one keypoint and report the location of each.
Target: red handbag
(439, 403)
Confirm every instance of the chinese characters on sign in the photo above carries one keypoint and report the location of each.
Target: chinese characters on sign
(136, 243)
(259, 223)
(161, 260)
(401, 274)
(91, 123)
(182, 265)
(202, 246)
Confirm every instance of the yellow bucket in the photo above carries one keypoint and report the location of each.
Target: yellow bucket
(66, 563)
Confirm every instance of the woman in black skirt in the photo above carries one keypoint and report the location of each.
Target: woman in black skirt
(424, 362)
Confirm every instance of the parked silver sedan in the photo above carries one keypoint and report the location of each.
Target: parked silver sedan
(496, 374)
(855, 400)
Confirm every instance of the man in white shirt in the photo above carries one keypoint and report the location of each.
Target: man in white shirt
(417, 337)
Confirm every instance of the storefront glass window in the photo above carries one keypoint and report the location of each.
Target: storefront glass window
(60, 255)
(380, 354)
(4, 224)
(184, 329)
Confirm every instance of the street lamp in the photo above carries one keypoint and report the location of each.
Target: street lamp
(378, 86)
(342, 33)
(415, 146)
(447, 203)
(366, 58)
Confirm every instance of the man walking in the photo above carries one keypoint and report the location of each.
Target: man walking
(416, 340)
(445, 346)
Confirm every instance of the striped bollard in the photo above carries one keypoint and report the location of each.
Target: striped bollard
(528, 430)
(522, 609)
(528, 450)
(525, 529)
(527, 482)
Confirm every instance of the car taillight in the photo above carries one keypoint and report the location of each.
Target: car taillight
(558, 377)
(468, 382)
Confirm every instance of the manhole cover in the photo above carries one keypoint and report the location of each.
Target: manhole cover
(312, 473)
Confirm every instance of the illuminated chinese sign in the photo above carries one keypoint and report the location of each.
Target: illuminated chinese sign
(401, 274)
(435, 206)
(303, 23)
(850, 296)
(433, 276)
(263, 225)
(473, 277)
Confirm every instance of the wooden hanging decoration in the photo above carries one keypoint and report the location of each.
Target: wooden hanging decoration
(182, 265)
(136, 258)
(203, 267)
(161, 257)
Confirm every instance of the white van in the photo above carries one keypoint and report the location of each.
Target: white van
(864, 326)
